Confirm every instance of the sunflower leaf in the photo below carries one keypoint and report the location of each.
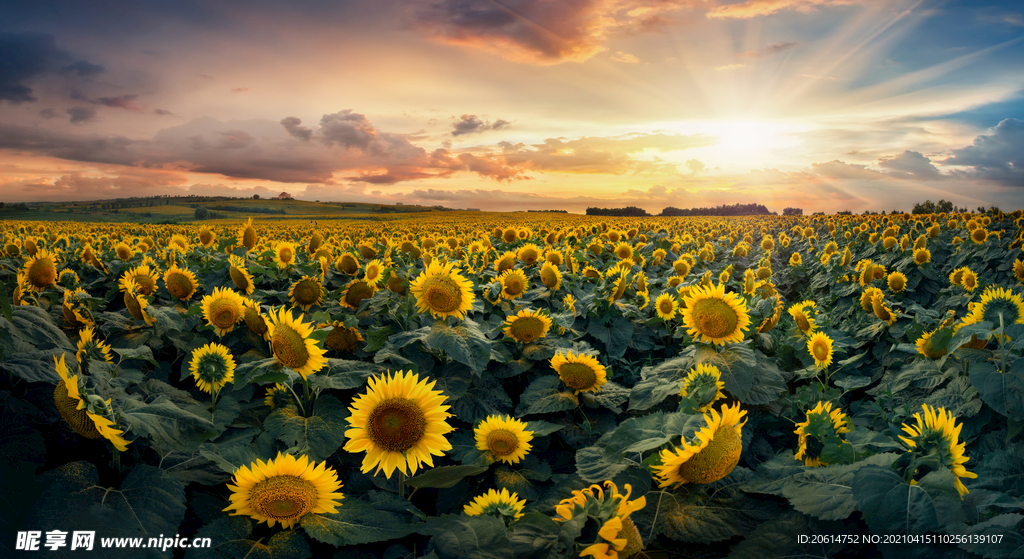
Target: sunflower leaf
(168, 426)
(658, 383)
(890, 505)
(535, 535)
(481, 537)
(444, 477)
(356, 522)
(1003, 392)
(465, 344)
(319, 435)
(543, 396)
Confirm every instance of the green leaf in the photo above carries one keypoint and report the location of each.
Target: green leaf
(541, 428)
(983, 330)
(544, 396)
(231, 538)
(595, 464)
(535, 536)
(144, 353)
(444, 477)
(5, 303)
(168, 426)
(480, 537)
(356, 522)
(37, 366)
(658, 383)
(892, 506)
(1002, 537)
(465, 344)
(34, 325)
(319, 435)
(737, 365)
(343, 374)
(778, 537)
(264, 371)
(1003, 392)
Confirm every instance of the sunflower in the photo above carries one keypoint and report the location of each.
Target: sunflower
(89, 257)
(803, 314)
(75, 309)
(212, 367)
(223, 309)
(178, 243)
(240, 275)
(293, 348)
(822, 425)
(502, 505)
(442, 291)
(503, 438)
(820, 348)
(400, 423)
(795, 259)
(284, 254)
(969, 281)
(90, 348)
(713, 453)
(703, 386)
(681, 267)
(582, 373)
(922, 256)
(347, 264)
(513, 284)
(617, 536)
(284, 490)
(527, 326)
(935, 435)
(145, 279)
(254, 319)
(278, 397)
(206, 237)
(926, 348)
(712, 316)
(85, 418)
(136, 303)
(979, 236)
(124, 252)
(528, 254)
(68, 279)
(570, 303)
(180, 282)
(998, 305)
(666, 306)
(355, 292)
(1018, 269)
(373, 273)
(342, 339)
(306, 292)
(41, 271)
(247, 236)
(881, 310)
(867, 296)
(550, 276)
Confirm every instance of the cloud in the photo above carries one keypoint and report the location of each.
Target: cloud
(997, 156)
(292, 125)
(163, 112)
(351, 130)
(470, 124)
(911, 165)
(758, 8)
(81, 115)
(768, 50)
(839, 170)
(25, 57)
(729, 67)
(121, 102)
(694, 165)
(83, 69)
(625, 57)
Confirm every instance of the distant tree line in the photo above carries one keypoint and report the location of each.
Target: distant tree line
(248, 209)
(551, 211)
(723, 210)
(628, 211)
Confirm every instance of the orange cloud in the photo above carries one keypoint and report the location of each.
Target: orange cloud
(758, 8)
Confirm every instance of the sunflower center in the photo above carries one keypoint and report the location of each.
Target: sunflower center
(254, 321)
(42, 272)
(224, 313)
(396, 424)
(820, 350)
(145, 283)
(528, 256)
(289, 347)
(357, 292)
(283, 497)
(802, 322)
(349, 264)
(249, 237)
(970, 282)
(502, 442)
(665, 306)
(307, 292)
(715, 460)
(341, 339)
(179, 285)
(442, 293)
(68, 408)
(577, 376)
(896, 283)
(286, 254)
(527, 329)
(239, 278)
(714, 318)
(548, 277)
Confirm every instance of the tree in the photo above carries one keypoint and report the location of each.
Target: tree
(255, 196)
(202, 213)
(926, 207)
(792, 211)
(944, 207)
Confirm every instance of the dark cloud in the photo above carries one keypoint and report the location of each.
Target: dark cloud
(351, 130)
(293, 126)
(25, 57)
(119, 102)
(80, 115)
(469, 124)
(997, 156)
(163, 112)
(910, 165)
(83, 69)
(236, 139)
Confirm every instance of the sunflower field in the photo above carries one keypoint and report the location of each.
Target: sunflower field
(472, 385)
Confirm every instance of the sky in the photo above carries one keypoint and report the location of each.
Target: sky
(824, 105)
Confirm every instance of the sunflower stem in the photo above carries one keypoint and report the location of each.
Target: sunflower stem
(298, 400)
(401, 483)
(309, 395)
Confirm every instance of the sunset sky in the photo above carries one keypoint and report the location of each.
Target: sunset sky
(825, 105)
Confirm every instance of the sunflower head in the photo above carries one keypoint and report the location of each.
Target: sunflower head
(284, 254)
(279, 396)
(180, 282)
(933, 443)
(86, 414)
(355, 292)
(306, 292)
(550, 276)
(666, 306)
(292, 345)
(969, 280)
(212, 367)
(442, 291)
(240, 276)
(503, 438)
(607, 513)
(145, 279)
(701, 388)
(91, 348)
(926, 347)
(503, 505)
(882, 310)
(527, 326)
(342, 339)
(998, 305)
(136, 303)
(582, 373)
(399, 422)
(41, 270)
(711, 455)
(713, 316)
(75, 309)
(803, 315)
(528, 254)
(247, 236)
(284, 490)
(922, 256)
(820, 348)
(222, 309)
(822, 427)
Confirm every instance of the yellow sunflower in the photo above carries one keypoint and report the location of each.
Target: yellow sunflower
(223, 309)
(145, 279)
(373, 273)
(1018, 269)
(795, 259)
(41, 270)
(528, 254)
(969, 281)
(293, 348)
(240, 276)
(820, 348)
(212, 367)
(957, 275)
(703, 386)
(867, 296)
(180, 282)
(503, 438)
(527, 326)
(136, 303)
(206, 237)
(284, 490)
(897, 282)
(935, 435)
(284, 254)
(347, 264)
(666, 306)
(922, 256)
(550, 276)
(617, 536)
(355, 292)
(76, 311)
(306, 292)
(582, 373)
(513, 284)
(442, 291)
(342, 339)
(247, 236)
(926, 348)
(91, 348)
(997, 303)
(713, 316)
(803, 315)
(85, 419)
(399, 423)
(278, 397)
(828, 424)
(712, 454)
(254, 319)
(881, 310)
(503, 505)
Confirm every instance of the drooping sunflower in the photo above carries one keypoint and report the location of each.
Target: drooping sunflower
(897, 282)
(503, 438)
(247, 236)
(87, 419)
(713, 316)
(820, 348)
(284, 254)
(399, 422)
(582, 373)
(41, 270)
(180, 282)
(1018, 269)
(284, 490)
(306, 292)
(822, 424)
(442, 291)
(278, 397)
(88, 347)
(342, 339)
(207, 236)
(293, 348)
(803, 315)
(666, 306)
(68, 279)
(513, 284)
(936, 434)
(222, 309)
(254, 319)
(145, 279)
(212, 367)
(502, 505)
(527, 326)
(528, 254)
(347, 264)
(240, 276)
(711, 455)
(76, 311)
(550, 276)
(882, 310)
(996, 303)
(703, 386)
(136, 303)
(867, 296)
(926, 348)
(617, 535)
